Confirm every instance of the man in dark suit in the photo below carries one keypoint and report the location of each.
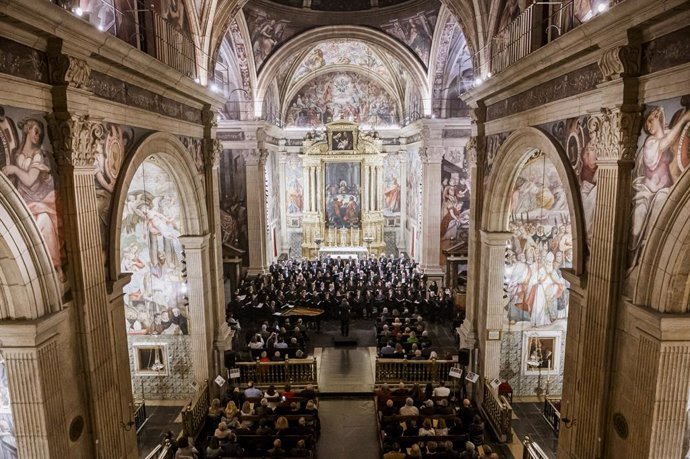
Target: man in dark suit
(345, 318)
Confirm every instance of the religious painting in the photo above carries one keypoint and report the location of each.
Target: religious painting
(195, 149)
(343, 190)
(8, 441)
(455, 202)
(415, 31)
(109, 157)
(267, 32)
(233, 205)
(341, 52)
(151, 359)
(541, 353)
(414, 183)
(293, 186)
(392, 191)
(663, 156)
(27, 161)
(573, 135)
(342, 96)
(342, 140)
(156, 297)
(541, 244)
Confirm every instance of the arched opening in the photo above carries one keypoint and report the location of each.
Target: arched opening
(159, 209)
(535, 211)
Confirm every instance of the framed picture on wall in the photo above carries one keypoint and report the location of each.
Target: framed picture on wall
(541, 352)
(342, 137)
(151, 359)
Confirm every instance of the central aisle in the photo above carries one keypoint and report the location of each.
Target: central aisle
(348, 429)
(346, 369)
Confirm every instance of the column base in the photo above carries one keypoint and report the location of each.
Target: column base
(468, 337)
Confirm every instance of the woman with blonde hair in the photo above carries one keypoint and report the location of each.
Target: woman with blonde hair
(215, 411)
(231, 410)
(222, 432)
(281, 425)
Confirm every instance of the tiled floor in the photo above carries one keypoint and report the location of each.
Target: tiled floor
(346, 369)
(161, 419)
(348, 429)
(528, 421)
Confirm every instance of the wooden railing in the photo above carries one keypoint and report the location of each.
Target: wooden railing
(531, 450)
(552, 414)
(412, 371)
(297, 372)
(499, 413)
(139, 415)
(194, 414)
(514, 41)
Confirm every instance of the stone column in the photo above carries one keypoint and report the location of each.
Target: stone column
(468, 330)
(614, 134)
(402, 239)
(198, 292)
(74, 138)
(282, 173)
(32, 359)
(221, 331)
(307, 187)
(490, 312)
(255, 161)
(430, 249)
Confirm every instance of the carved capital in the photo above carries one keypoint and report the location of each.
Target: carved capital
(614, 133)
(209, 118)
(212, 151)
(68, 71)
(255, 156)
(75, 139)
(431, 154)
(620, 61)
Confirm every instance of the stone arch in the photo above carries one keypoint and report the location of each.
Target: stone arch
(664, 277)
(510, 158)
(369, 36)
(175, 159)
(28, 280)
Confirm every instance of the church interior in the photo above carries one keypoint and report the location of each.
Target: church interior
(344, 228)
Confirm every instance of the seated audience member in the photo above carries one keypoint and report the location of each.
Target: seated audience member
(264, 427)
(456, 428)
(388, 349)
(470, 451)
(230, 413)
(222, 432)
(427, 408)
(417, 393)
(401, 391)
(442, 390)
(394, 452)
(441, 428)
(308, 392)
(414, 451)
(281, 425)
(301, 428)
(383, 393)
(409, 409)
(185, 450)
(231, 448)
(427, 429)
(252, 392)
(272, 396)
(277, 357)
(277, 450)
(300, 354)
(389, 408)
(215, 411)
(393, 430)
(288, 393)
(443, 408)
(300, 450)
(263, 358)
(257, 342)
(264, 408)
(213, 449)
(476, 431)
(466, 413)
(431, 449)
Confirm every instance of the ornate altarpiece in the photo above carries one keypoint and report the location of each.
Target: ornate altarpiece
(343, 191)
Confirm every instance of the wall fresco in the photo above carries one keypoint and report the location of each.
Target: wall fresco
(392, 191)
(294, 188)
(233, 205)
(267, 32)
(8, 441)
(455, 201)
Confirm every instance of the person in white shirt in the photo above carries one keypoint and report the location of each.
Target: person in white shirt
(441, 390)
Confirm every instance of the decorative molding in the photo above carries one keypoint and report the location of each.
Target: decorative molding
(255, 156)
(75, 139)
(456, 133)
(614, 133)
(667, 51)
(23, 62)
(619, 61)
(230, 136)
(212, 152)
(471, 151)
(571, 84)
(69, 71)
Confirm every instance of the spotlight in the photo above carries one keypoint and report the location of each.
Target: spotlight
(197, 81)
(478, 81)
(488, 75)
(214, 87)
(183, 289)
(101, 28)
(602, 7)
(78, 11)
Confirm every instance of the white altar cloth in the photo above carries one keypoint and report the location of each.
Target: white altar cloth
(344, 252)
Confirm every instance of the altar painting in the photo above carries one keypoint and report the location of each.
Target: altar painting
(343, 191)
(540, 246)
(155, 299)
